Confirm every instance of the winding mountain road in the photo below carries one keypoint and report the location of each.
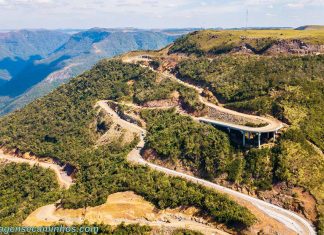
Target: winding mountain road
(64, 180)
(290, 220)
(273, 124)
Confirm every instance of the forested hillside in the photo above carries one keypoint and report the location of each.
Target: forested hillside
(285, 82)
(22, 47)
(70, 58)
(199, 146)
(23, 189)
(287, 87)
(290, 88)
(244, 71)
(58, 126)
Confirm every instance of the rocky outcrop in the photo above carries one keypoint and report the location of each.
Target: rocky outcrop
(281, 47)
(296, 47)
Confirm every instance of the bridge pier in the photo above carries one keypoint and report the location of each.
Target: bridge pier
(274, 136)
(252, 132)
(243, 133)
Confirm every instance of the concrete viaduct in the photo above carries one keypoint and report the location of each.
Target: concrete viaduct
(272, 127)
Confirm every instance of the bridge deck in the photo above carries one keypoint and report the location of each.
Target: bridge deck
(264, 129)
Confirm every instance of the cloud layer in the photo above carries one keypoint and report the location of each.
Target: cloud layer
(158, 13)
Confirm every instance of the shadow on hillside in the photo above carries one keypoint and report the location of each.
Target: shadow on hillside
(30, 76)
(16, 64)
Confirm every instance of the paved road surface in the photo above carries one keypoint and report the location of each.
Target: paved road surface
(273, 124)
(290, 219)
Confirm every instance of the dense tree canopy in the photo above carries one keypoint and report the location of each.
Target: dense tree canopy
(59, 125)
(290, 88)
(198, 145)
(23, 189)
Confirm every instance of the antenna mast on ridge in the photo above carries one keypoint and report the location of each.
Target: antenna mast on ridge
(246, 19)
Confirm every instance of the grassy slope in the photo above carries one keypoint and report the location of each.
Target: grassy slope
(59, 125)
(214, 41)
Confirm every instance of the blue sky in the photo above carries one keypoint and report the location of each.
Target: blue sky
(16, 14)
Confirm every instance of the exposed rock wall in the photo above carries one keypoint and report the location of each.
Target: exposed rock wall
(289, 47)
(294, 47)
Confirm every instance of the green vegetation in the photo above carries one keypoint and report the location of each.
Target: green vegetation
(199, 146)
(151, 87)
(66, 115)
(251, 124)
(190, 100)
(298, 163)
(23, 189)
(222, 41)
(185, 232)
(259, 167)
(206, 149)
(290, 88)
(121, 229)
(49, 118)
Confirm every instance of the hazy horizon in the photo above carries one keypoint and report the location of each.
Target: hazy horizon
(149, 29)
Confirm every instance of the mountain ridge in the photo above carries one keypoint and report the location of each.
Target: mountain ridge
(286, 170)
(78, 54)
(265, 42)
(22, 47)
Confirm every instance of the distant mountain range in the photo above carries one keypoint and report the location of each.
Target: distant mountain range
(33, 62)
(311, 27)
(19, 48)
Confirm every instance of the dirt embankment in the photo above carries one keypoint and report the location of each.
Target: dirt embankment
(125, 207)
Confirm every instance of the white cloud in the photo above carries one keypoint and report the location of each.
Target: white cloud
(296, 5)
(155, 13)
(290, 3)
